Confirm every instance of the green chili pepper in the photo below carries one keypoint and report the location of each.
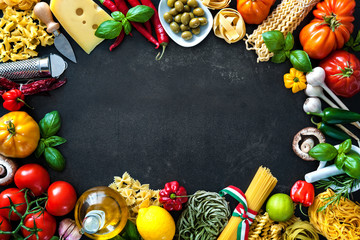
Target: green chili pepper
(331, 131)
(337, 116)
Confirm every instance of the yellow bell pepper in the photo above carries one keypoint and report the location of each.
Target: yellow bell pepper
(19, 134)
(295, 80)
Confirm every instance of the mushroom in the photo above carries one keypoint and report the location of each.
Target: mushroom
(305, 140)
(7, 170)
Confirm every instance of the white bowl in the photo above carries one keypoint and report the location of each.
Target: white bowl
(176, 37)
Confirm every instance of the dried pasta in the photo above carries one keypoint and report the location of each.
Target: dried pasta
(339, 221)
(20, 35)
(300, 230)
(229, 25)
(216, 4)
(285, 18)
(136, 195)
(18, 4)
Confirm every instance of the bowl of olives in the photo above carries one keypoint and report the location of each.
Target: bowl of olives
(187, 22)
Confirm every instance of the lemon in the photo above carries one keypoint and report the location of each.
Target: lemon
(155, 223)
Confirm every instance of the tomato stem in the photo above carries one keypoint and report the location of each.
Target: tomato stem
(11, 128)
(332, 21)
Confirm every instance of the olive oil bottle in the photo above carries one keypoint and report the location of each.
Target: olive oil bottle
(101, 213)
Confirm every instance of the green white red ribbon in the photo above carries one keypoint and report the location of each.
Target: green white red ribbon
(247, 215)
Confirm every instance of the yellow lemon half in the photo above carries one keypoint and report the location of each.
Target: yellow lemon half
(155, 223)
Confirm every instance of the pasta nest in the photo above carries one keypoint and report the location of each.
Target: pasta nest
(229, 25)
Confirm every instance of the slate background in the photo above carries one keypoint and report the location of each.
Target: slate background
(207, 116)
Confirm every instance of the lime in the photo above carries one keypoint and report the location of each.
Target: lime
(280, 207)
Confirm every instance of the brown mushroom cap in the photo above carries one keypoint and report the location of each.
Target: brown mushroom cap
(7, 170)
(306, 139)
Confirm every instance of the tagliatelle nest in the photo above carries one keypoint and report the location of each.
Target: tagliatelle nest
(229, 25)
(18, 4)
(136, 195)
(216, 4)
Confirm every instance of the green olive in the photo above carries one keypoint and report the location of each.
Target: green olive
(178, 18)
(171, 3)
(191, 15)
(184, 28)
(183, 1)
(175, 27)
(167, 17)
(185, 18)
(173, 12)
(199, 12)
(203, 21)
(192, 3)
(179, 6)
(194, 23)
(187, 8)
(196, 31)
(186, 35)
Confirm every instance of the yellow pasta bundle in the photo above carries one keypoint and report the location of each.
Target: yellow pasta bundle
(339, 221)
(216, 4)
(136, 195)
(229, 25)
(18, 4)
(20, 34)
(285, 18)
(300, 230)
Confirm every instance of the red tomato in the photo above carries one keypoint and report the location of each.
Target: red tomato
(330, 29)
(16, 197)
(4, 226)
(34, 177)
(342, 71)
(61, 198)
(254, 11)
(43, 221)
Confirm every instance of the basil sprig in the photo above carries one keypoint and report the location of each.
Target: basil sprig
(49, 126)
(112, 28)
(354, 44)
(282, 49)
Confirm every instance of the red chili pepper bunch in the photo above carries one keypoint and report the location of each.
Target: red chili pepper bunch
(120, 5)
(173, 196)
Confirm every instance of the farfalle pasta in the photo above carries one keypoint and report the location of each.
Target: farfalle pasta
(20, 35)
(229, 25)
(18, 4)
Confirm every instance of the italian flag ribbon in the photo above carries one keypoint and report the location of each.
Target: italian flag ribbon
(247, 215)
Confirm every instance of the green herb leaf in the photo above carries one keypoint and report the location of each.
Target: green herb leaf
(352, 164)
(118, 237)
(289, 42)
(279, 57)
(345, 146)
(357, 48)
(274, 40)
(340, 160)
(109, 29)
(54, 158)
(357, 40)
(140, 14)
(127, 26)
(300, 60)
(50, 124)
(40, 148)
(350, 43)
(323, 152)
(54, 238)
(54, 141)
(118, 16)
(131, 232)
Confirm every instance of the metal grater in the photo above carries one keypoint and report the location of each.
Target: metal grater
(52, 66)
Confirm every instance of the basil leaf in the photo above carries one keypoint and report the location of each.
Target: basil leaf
(357, 40)
(117, 237)
(54, 158)
(323, 152)
(274, 40)
(289, 42)
(118, 16)
(279, 57)
(140, 13)
(340, 160)
(109, 29)
(54, 238)
(131, 232)
(300, 60)
(40, 148)
(352, 164)
(50, 124)
(345, 146)
(127, 26)
(54, 141)
(357, 48)
(350, 43)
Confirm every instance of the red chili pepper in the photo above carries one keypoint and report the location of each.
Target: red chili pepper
(173, 196)
(8, 84)
(43, 85)
(162, 36)
(109, 5)
(134, 3)
(303, 192)
(118, 40)
(14, 100)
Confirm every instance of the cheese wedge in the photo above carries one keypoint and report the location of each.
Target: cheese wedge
(80, 18)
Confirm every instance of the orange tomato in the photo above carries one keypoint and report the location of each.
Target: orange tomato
(254, 11)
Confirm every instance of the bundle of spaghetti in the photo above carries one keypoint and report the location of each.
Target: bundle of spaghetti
(285, 18)
(260, 188)
(339, 221)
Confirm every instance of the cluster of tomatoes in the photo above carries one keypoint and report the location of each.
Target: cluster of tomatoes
(33, 189)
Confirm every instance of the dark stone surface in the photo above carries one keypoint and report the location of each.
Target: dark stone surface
(207, 116)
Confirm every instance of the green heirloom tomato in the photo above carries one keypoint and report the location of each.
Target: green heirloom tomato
(280, 207)
(352, 164)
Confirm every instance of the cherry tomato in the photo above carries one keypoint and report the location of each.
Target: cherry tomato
(4, 226)
(16, 197)
(61, 198)
(280, 207)
(43, 221)
(34, 177)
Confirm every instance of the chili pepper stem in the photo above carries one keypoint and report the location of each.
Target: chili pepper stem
(300, 208)
(159, 55)
(20, 100)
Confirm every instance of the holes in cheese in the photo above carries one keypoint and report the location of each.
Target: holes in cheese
(79, 18)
